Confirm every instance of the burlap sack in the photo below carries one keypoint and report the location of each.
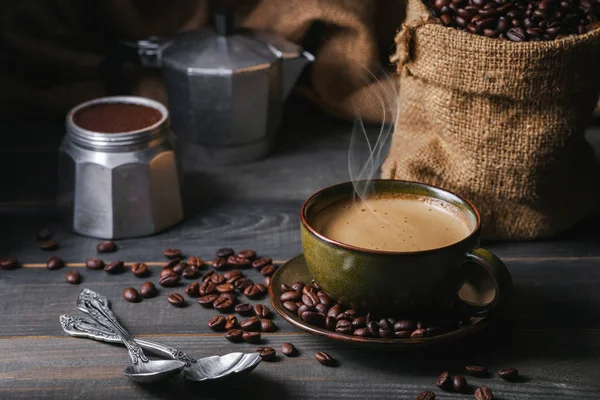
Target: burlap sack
(51, 48)
(499, 123)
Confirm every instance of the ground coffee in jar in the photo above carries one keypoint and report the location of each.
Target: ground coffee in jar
(116, 117)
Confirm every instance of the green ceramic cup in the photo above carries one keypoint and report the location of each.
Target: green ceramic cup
(407, 282)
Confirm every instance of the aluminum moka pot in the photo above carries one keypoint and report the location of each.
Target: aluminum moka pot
(119, 185)
(225, 87)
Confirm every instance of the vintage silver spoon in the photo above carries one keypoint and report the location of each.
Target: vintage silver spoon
(208, 368)
(142, 369)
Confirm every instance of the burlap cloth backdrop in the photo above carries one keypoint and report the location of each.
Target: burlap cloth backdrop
(55, 46)
(498, 122)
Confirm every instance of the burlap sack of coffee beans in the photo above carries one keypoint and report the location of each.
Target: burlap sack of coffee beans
(499, 123)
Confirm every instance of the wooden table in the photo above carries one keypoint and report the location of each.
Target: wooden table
(550, 329)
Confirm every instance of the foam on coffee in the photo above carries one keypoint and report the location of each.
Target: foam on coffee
(393, 223)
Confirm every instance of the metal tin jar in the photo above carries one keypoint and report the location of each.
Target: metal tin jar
(118, 185)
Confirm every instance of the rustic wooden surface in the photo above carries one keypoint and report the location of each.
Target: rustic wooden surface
(550, 329)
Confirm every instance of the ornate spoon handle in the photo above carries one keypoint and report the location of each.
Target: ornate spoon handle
(96, 305)
(88, 328)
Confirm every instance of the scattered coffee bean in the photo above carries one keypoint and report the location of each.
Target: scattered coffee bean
(148, 290)
(444, 381)
(268, 270)
(232, 296)
(247, 254)
(171, 264)
(298, 286)
(114, 267)
(231, 322)
(9, 263)
(169, 280)
(238, 262)
(484, 393)
(175, 299)
(308, 289)
(225, 288)
(172, 254)
(335, 311)
(107, 246)
(262, 288)
(362, 332)
(166, 271)
(73, 277)
(459, 383)
(217, 279)
(291, 306)
(207, 300)
(251, 337)
(267, 281)
(266, 353)
(180, 267)
(193, 289)
(310, 299)
(266, 325)
(325, 299)
(244, 309)
(289, 350)
(253, 292)
(426, 395)
(131, 295)
(313, 318)
(225, 252)
(476, 370)
(251, 324)
(207, 287)
(242, 283)
(324, 358)
(55, 263)
(259, 263)
(232, 274)
(292, 295)
(195, 261)
(234, 335)
(359, 322)
(261, 311)
(223, 304)
(509, 374)
(322, 308)
(48, 245)
(207, 275)
(219, 263)
(217, 323)
(44, 234)
(139, 269)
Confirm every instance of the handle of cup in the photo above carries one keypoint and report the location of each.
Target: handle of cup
(500, 276)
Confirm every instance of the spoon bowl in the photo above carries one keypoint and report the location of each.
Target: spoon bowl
(153, 370)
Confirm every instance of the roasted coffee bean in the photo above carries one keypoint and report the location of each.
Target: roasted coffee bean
(426, 395)
(231, 322)
(165, 272)
(48, 245)
(308, 289)
(247, 254)
(225, 288)
(289, 350)
(261, 262)
(219, 263)
(262, 288)
(509, 374)
(484, 393)
(418, 333)
(206, 276)
(207, 300)
(405, 325)
(175, 299)
(193, 289)
(253, 292)
(139, 269)
(350, 314)
(232, 296)
(362, 332)
(195, 261)
(244, 309)
(170, 264)
(291, 306)
(234, 335)
(459, 383)
(402, 334)
(292, 295)
(268, 270)
(313, 318)
(322, 308)
(232, 274)
(225, 252)
(44, 234)
(267, 281)
(330, 323)
(266, 325)
(444, 380)
(131, 295)
(335, 311)
(373, 328)
(217, 279)
(73, 277)
(191, 272)
(251, 324)
(251, 337)
(55, 263)
(172, 254)
(304, 308)
(217, 323)
(325, 299)
(359, 322)
(169, 280)
(243, 283)
(343, 326)
(310, 299)
(476, 370)
(266, 353)
(9, 263)
(207, 287)
(107, 246)
(223, 304)
(285, 288)
(114, 267)
(261, 310)
(238, 262)
(386, 333)
(148, 290)
(180, 267)
(298, 286)
(385, 324)
(324, 358)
